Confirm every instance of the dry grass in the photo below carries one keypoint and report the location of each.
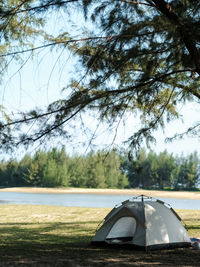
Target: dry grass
(60, 236)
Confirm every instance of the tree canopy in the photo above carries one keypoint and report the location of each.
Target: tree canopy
(103, 169)
(138, 57)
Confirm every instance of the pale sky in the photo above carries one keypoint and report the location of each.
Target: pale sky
(39, 84)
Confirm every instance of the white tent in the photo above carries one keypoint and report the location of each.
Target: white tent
(145, 223)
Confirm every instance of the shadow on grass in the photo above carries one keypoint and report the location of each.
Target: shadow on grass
(68, 244)
(193, 227)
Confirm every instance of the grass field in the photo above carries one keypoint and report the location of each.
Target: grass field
(60, 236)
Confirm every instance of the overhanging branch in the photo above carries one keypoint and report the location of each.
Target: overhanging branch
(167, 10)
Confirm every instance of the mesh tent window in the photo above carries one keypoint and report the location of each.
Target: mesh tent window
(123, 229)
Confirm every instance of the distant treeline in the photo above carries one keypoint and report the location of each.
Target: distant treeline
(102, 169)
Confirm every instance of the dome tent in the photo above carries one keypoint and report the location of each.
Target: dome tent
(142, 222)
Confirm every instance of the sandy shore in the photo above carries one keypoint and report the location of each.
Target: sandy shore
(128, 192)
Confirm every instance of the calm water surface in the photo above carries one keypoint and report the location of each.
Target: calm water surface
(85, 200)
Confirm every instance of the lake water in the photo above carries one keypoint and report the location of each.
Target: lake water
(85, 200)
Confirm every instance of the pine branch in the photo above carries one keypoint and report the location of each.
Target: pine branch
(51, 129)
(137, 3)
(190, 130)
(145, 130)
(189, 90)
(166, 9)
(17, 10)
(64, 42)
(96, 95)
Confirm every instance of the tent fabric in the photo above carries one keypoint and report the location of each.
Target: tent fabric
(145, 223)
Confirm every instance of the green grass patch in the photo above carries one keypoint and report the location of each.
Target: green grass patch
(33, 235)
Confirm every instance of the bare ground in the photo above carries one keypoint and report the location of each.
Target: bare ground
(108, 258)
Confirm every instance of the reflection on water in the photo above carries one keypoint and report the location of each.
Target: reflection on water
(85, 200)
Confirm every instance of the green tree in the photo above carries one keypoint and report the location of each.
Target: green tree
(78, 171)
(10, 175)
(55, 169)
(140, 57)
(63, 168)
(32, 177)
(24, 169)
(135, 169)
(50, 178)
(152, 170)
(188, 172)
(96, 173)
(164, 170)
(3, 177)
(193, 170)
(113, 173)
(40, 158)
(104, 170)
(140, 168)
(62, 163)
